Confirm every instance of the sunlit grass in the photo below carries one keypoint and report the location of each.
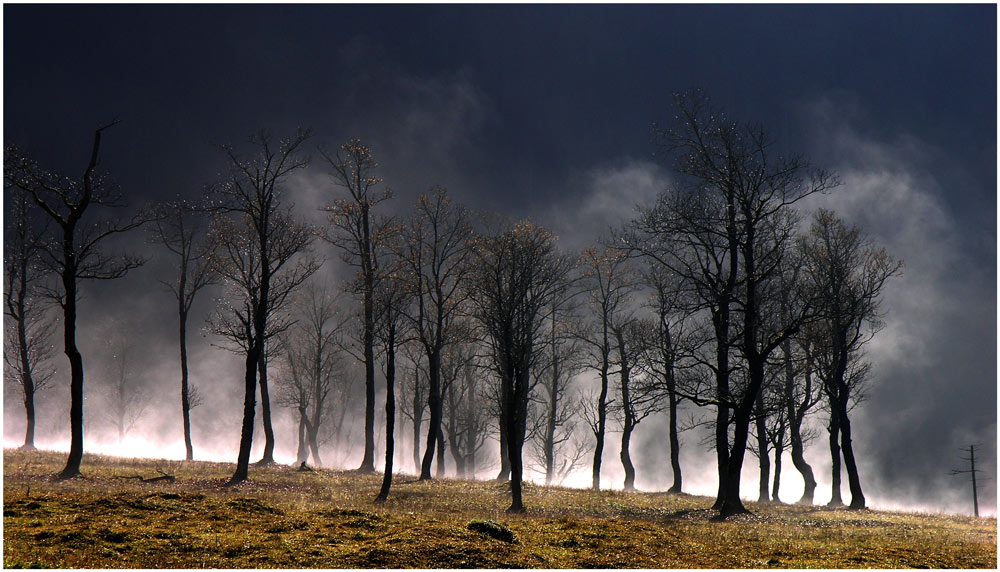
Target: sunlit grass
(326, 519)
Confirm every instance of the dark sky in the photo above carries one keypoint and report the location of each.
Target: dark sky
(546, 111)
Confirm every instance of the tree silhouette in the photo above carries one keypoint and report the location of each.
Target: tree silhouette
(178, 229)
(434, 248)
(74, 253)
(609, 281)
(27, 346)
(516, 273)
(353, 232)
(725, 229)
(256, 241)
(848, 275)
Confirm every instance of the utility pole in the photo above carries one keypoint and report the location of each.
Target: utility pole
(972, 471)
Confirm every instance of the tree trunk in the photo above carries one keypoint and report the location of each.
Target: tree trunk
(731, 503)
(675, 444)
(249, 409)
(368, 461)
(853, 478)
(628, 424)
(455, 446)
(778, 450)
(796, 416)
(671, 381)
(390, 415)
(302, 452)
(741, 432)
(313, 433)
(762, 446)
(27, 383)
(434, 405)
(720, 321)
(835, 499)
(368, 338)
(185, 389)
(504, 474)
(440, 454)
(265, 403)
(416, 438)
(602, 421)
(549, 444)
(804, 469)
(72, 468)
(722, 444)
(516, 427)
(626, 459)
(29, 411)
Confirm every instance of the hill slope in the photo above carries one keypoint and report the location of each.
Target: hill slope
(325, 519)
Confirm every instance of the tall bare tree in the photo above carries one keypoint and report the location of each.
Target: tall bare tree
(27, 333)
(516, 273)
(412, 390)
(848, 273)
(675, 337)
(354, 233)
(257, 246)
(435, 250)
(74, 253)
(391, 299)
(178, 229)
(609, 280)
(557, 446)
(638, 392)
(472, 409)
(126, 399)
(310, 350)
(736, 222)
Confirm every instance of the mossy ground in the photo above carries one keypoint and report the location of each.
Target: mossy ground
(283, 518)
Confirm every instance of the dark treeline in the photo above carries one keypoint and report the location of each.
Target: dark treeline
(722, 298)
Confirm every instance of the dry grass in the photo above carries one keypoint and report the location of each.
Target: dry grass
(325, 519)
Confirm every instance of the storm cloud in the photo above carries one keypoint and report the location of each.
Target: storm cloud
(545, 112)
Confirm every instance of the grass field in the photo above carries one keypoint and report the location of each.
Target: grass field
(283, 518)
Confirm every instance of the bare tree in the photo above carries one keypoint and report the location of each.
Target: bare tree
(435, 250)
(74, 253)
(800, 397)
(354, 233)
(516, 273)
(848, 273)
(638, 393)
(675, 337)
(391, 299)
(609, 281)
(689, 241)
(474, 411)
(467, 417)
(27, 333)
(178, 229)
(412, 393)
(257, 241)
(768, 419)
(734, 222)
(310, 351)
(457, 386)
(127, 400)
(556, 446)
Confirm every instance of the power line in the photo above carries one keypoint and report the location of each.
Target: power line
(972, 471)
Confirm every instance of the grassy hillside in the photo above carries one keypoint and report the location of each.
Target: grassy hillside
(325, 519)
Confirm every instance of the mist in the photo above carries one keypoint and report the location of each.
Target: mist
(555, 130)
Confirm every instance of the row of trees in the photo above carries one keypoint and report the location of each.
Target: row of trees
(715, 295)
